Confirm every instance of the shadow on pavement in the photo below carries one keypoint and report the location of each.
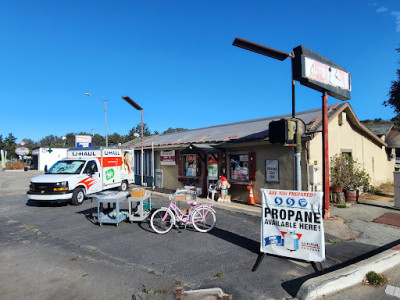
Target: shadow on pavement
(88, 213)
(293, 286)
(241, 241)
(34, 203)
(380, 206)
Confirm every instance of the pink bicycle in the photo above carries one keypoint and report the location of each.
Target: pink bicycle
(201, 216)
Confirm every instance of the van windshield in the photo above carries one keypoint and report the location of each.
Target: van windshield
(67, 167)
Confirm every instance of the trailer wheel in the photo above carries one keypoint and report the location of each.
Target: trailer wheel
(124, 186)
(78, 196)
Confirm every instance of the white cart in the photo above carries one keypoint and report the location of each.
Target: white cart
(139, 207)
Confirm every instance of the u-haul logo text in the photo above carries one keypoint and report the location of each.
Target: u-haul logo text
(83, 153)
(111, 152)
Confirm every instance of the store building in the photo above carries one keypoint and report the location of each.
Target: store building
(242, 152)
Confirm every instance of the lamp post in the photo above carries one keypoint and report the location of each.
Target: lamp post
(64, 138)
(270, 52)
(105, 112)
(138, 107)
(279, 55)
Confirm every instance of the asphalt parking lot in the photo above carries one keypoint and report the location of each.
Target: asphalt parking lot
(59, 250)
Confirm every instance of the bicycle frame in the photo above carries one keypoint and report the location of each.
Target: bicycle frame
(186, 218)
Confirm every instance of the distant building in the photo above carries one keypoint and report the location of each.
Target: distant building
(44, 157)
(391, 136)
(242, 152)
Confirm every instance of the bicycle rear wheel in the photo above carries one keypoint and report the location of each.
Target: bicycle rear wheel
(158, 224)
(203, 219)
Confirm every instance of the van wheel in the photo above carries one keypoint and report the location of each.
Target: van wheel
(78, 196)
(124, 186)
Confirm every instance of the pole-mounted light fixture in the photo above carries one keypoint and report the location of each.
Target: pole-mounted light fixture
(105, 112)
(260, 49)
(138, 107)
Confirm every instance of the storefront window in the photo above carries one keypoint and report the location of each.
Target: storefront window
(239, 167)
(189, 165)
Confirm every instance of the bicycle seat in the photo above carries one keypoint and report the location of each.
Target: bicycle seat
(192, 203)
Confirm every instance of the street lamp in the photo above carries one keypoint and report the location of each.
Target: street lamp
(64, 138)
(105, 112)
(270, 52)
(279, 55)
(138, 107)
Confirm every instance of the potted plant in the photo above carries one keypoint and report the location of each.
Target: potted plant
(359, 179)
(339, 175)
(348, 175)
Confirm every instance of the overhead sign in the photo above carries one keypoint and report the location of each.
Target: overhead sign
(320, 73)
(22, 151)
(292, 224)
(168, 158)
(83, 141)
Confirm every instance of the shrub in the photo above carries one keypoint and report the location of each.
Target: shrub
(375, 278)
(346, 172)
(375, 190)
(18, 165)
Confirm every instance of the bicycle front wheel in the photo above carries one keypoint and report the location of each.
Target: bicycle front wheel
(203, 219)
(162, 220)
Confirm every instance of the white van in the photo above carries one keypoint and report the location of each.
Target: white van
(85, 171)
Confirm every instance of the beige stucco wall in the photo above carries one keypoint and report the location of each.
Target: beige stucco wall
(265, 151)
(345, 137)
(170, 176)
(171, 173)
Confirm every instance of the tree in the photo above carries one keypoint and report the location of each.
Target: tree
(138, 130)
(98, 140)
(10, 145)
(49, 141)
(115, 139)
(394, 93)
(396, 121)
(30, 144)
(70, 140)
(2, 144)
(375, 121)
(170, 130)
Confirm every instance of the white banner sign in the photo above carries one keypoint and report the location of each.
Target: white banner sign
(83, 141)
(272, 171)
(167, 158)
(159, 178)
(292, 224)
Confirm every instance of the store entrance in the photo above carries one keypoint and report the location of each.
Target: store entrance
(212, 170)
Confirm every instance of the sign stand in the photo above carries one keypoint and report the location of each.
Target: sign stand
(258, 261)
(292, 226)
(261, 256)
(314, 265)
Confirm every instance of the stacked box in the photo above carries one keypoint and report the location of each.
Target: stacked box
(138, 193)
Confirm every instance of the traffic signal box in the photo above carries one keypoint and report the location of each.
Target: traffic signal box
(282, 132)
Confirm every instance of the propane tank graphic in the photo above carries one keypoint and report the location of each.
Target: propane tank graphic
(291, 241)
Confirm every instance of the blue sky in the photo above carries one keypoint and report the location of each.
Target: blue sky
(176, 59)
